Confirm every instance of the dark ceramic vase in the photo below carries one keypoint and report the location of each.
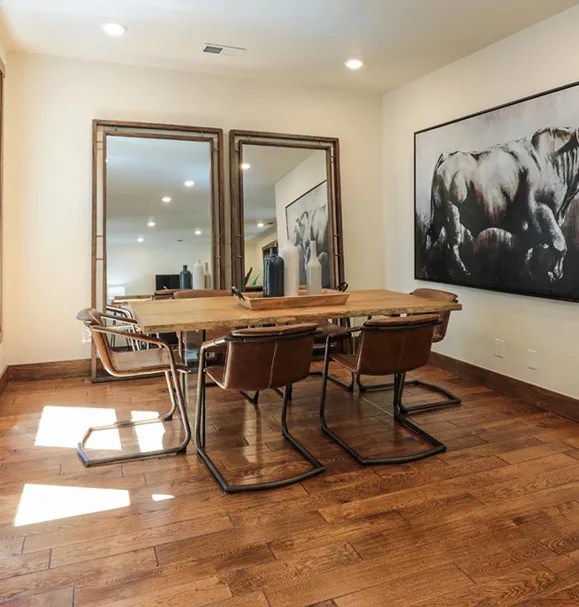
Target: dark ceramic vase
(273, 274)
(185, 279)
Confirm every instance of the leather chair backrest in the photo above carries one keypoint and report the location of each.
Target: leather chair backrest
(92, 318)
(395, 344)
(268, 357)
(440, 331)
(195, 293)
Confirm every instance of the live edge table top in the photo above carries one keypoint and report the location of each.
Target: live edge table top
(176, 315)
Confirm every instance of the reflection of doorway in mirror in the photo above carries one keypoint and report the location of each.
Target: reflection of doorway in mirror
(158, 211)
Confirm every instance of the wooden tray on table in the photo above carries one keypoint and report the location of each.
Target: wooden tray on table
(256, 301)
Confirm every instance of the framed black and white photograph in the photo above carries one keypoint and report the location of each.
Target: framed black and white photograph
(496, 198)
(307, 221)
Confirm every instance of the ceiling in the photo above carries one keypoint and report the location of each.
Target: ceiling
(141, 171)
(301, 41)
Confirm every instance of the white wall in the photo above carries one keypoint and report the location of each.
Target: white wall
(48, 183)
(537, 59)
(134, 266)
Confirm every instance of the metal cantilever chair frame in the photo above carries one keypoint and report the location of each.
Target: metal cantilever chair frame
(175, 393)
(398, 413)
(450, 398)
(200, 435)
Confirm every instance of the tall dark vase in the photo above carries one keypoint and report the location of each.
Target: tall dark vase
(273, 274)
(185, 279)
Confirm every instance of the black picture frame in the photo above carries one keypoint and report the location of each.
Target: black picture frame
(548, 293)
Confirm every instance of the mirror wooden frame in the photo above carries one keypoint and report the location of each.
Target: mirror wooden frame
(101, 129)
(331, 145)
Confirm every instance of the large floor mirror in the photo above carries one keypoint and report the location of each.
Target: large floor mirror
(157, 210)
(284, 187)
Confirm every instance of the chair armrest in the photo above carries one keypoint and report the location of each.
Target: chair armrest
(134, 336)
(118, 319)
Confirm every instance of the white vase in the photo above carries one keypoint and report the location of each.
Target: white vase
(313, 272)
(291, 269)
(198, 276)
(207, 277)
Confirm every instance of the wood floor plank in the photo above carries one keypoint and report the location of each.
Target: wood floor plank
(73, 575)
(201, 592)
(55, 598)
(26, 563)
(425, 584)
(308, 562)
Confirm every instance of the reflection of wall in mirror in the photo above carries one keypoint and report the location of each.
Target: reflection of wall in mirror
(254, 252)
(134, 267)
(303, 179)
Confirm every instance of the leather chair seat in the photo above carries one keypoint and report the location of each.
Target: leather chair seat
(216, 373)
(328, 328)
(154, 360)
(346, 360)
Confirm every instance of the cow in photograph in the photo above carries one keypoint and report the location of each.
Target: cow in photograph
(510, 196)
(313, 226)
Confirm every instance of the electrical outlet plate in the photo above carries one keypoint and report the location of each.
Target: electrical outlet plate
(499, 348)
(532, 362)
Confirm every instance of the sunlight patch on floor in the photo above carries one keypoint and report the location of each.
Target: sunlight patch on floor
(161, 497)
(65, 427)
(41, 503)
(150, 436)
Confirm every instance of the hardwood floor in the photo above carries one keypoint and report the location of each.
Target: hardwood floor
(494, 521)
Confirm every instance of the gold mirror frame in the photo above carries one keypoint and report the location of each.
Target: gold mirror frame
(101, 129)
(331, 145)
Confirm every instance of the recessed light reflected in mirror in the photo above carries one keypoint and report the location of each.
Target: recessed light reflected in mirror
(245, 166)
(197, 232)
(151, 223)
(140, 239)
(113, 29)
(260, 224)
(354, 64)
(166, 199)
(189, 183)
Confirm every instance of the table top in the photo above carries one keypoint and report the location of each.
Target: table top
(175, 315)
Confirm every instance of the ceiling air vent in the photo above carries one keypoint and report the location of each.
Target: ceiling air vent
(221, 49)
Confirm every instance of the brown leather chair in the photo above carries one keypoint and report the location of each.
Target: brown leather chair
(388, 346)
(159, 358)
(258, 359)
(439, 334)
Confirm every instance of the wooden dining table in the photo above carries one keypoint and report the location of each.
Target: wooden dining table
(180, 315)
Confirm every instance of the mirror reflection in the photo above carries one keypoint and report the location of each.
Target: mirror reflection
(158, 215)
(285, 196)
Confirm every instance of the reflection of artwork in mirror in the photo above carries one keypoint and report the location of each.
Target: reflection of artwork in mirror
(307, 221)
(281, 183)
(158, 213)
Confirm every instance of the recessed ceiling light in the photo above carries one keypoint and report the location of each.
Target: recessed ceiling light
(113, 29)
(166, 199)
(260, 224)
(140, 239)
(189, 183)
(151, 223)
(197, 232)
(245, 166)
(354, 64)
